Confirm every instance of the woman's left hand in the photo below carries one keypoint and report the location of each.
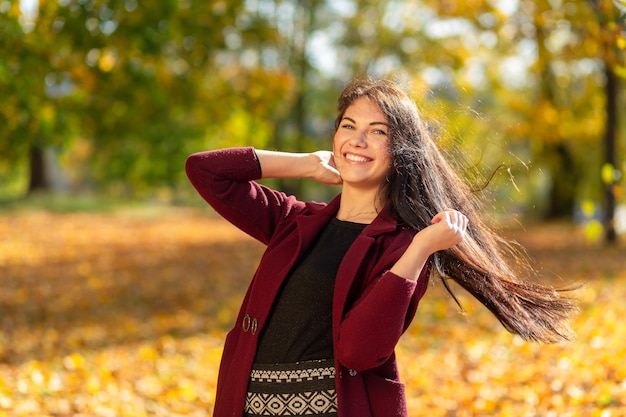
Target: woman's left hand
(447, 230)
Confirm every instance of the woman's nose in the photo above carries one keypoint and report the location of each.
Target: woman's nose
(359, 138)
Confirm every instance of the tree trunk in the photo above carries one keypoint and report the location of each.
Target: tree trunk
(564, 175)
(38, 173)
(609, 153)
(561, 162)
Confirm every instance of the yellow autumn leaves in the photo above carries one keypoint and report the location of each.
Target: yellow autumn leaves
(137, 380)
(115, 314)
(124, 314)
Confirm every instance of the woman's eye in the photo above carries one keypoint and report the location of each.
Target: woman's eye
(347, 126)
(380, 132)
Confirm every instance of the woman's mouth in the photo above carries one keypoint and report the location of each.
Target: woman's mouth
(356, 158)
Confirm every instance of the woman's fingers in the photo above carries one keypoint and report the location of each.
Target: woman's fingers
(325, 170)
(452, 217)
(453, 226)
(458, 220)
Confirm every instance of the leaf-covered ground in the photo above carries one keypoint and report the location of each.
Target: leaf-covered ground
(124, 314)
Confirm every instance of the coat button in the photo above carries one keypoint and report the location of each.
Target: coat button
(351, 372)
(246, 323)
(255, 326)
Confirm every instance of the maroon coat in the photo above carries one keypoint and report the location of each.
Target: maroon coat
(371, 306)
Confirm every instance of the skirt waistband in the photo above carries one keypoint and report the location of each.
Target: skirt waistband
(296, 389)
(293, 372)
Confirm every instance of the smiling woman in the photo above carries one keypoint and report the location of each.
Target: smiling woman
(361, 155)
(339, 283)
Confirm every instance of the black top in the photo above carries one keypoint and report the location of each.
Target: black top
(299, 327)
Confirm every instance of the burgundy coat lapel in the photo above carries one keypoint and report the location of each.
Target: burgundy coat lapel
(354, 259)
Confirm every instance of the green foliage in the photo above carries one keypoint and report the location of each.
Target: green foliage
(128, 90)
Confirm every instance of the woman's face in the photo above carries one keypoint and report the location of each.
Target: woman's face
(361, 145)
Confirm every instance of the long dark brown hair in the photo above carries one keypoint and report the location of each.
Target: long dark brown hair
(422, 183)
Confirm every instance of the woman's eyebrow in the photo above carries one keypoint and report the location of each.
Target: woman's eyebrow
(379, 123)
(371, 124)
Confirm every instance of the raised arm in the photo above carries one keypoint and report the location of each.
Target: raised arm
(372, 327)
(318, 166)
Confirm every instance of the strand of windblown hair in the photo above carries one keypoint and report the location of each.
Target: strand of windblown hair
(533, 311)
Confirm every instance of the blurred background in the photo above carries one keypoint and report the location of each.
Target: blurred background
(117, 283)
(107, 97)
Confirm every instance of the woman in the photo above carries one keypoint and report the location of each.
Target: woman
(340, 282)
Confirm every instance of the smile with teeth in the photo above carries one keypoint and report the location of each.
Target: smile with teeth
(356, 158)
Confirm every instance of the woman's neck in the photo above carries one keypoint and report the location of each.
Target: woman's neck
(359, 207)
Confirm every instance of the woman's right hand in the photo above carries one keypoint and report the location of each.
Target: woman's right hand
(324, 169)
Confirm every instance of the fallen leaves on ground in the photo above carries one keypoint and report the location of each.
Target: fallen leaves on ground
(124, 314)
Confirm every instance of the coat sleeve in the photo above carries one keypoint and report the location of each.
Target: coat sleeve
(225, 178)
(372, 328)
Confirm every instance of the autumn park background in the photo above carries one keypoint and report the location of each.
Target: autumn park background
(118, 284)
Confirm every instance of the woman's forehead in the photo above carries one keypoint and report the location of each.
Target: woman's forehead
(365, 108)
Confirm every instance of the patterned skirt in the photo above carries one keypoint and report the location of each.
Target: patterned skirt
(296, 389)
